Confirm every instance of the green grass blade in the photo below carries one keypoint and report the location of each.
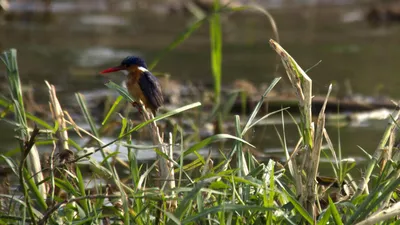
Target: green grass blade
(34, 188)
(381, 194)
(11, 163)
(89, 120)
(86, 113)
(172, 218)
(141, 125)
(166, 115)
(266, 116)
(216, 50)
(15, 90)
(225, 208)
(299, 208)
(227, 106)
(260, 9)
(112, 109)
(271, 192)
(81, 185)
(7, 104)
(335, 212)
(122, 91)
(212, 139)
(178, 40)
(259, 104)
(186, 202)
(325, 218)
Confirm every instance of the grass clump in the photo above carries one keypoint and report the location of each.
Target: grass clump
(237, 189)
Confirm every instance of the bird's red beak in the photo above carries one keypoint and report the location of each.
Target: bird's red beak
(112, 69)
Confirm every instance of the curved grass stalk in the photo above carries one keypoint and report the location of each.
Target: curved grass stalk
(9, 58)
(378, 152)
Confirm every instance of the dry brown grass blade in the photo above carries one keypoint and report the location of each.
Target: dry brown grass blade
(107, 150)
(382, 215)
(173, 204)
(166, 169)
(62, 147)
(72, 122)
(312, 170)
(312, 141)
(58, 115)
(394, 120)
(302, 85)
(296, 173)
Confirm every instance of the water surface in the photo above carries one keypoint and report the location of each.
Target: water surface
(69, 48)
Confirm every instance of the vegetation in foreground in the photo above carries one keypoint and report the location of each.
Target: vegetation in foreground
(236, 190)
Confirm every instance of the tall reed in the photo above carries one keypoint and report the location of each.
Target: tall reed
(9, 59)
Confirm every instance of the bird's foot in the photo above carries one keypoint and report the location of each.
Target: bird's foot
(137, 106)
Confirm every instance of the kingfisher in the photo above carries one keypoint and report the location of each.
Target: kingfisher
(141, 83)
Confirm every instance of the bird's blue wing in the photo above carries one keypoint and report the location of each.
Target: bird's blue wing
(151, 89)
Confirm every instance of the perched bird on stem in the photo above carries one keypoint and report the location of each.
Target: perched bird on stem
(142, 85)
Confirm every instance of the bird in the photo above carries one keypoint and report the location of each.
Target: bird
(141, 83)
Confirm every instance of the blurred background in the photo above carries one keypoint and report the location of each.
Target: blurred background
(356, 43)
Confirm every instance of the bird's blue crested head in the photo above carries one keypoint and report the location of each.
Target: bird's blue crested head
(133, 61)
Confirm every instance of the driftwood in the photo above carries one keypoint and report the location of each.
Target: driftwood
(334, 105)
(384, 13)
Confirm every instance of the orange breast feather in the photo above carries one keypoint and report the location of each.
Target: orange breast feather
(134, 88)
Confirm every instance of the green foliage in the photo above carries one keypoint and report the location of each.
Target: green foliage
(237, 189)
(216, 50)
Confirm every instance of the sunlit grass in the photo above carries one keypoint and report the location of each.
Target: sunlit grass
(235, 188)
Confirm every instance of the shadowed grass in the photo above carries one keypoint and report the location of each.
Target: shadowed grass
(233, 187)
(30, 155)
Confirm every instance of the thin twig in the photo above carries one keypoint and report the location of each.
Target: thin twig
(51, 210)
(164, 166)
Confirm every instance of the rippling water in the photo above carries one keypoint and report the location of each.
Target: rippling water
(68, 47)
